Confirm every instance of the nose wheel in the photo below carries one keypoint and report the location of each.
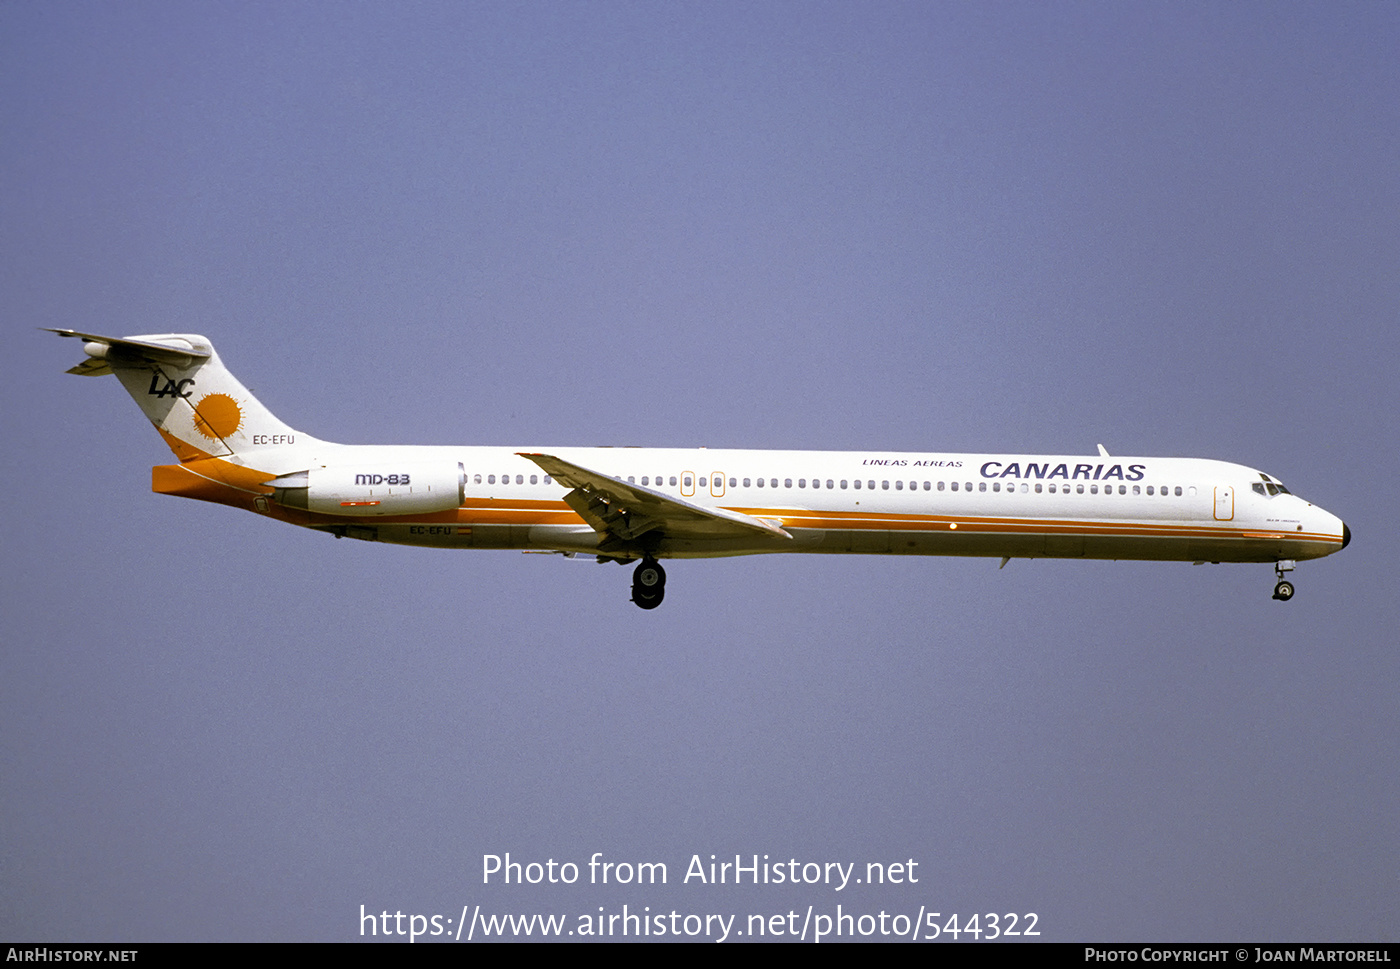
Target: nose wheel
(1284, 590)
(649, 584)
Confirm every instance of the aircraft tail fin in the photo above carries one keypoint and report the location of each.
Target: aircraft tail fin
(184, 389)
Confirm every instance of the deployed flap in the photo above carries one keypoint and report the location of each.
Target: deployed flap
(627, 511)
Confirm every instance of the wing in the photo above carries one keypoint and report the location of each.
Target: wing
(624, 512)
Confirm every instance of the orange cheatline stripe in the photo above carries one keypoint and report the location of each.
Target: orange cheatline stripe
(236, 475)
(522, 511)
(182, 449)
(178, 479)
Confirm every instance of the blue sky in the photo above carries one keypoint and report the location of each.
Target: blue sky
(1169, 228)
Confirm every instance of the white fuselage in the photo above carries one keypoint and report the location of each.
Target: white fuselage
(647, 504)
(922, 503)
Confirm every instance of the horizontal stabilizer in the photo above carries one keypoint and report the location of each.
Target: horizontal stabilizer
(91, 367)
(101, 349)
(183, 388)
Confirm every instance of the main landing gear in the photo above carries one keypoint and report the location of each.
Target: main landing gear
(649, 584)
(1284, 590)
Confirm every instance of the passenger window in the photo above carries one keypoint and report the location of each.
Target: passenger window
(843, 484)
(1037, 487)
(857, 484)
(899, 486)
(490, 479)
(534, 479)
(981, 486)
(955, 486)
(1178, 491)
(787, 482)
(1093, 489)
(1079, 489)
(801, 483)
(940, 486)
(884, 486)
(673, 481)
(734, 481)
(477, 479)
(760, 482)
(548, 479)
(828, 484)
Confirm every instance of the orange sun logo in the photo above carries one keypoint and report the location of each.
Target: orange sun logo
(217, 415)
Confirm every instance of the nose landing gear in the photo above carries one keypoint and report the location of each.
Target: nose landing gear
(649, 584)
(1284, 590)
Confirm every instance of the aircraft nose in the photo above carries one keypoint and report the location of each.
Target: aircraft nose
(1346, 535)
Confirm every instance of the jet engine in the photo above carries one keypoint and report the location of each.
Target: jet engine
(372, 490)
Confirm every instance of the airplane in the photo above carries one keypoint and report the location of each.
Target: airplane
(646, 504)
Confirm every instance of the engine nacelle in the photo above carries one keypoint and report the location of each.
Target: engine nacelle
(367, 491)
